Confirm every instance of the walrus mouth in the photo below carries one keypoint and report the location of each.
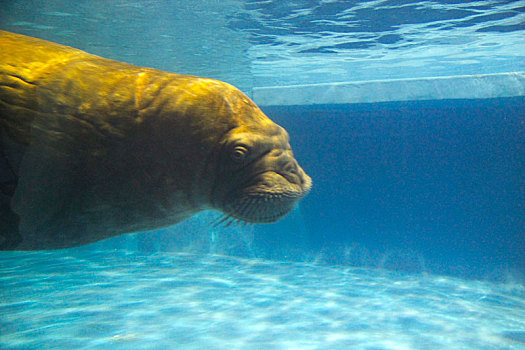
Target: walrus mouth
(268, 200)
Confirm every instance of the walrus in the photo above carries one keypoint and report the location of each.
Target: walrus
(92, 148)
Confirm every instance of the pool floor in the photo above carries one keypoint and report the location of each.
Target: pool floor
(121, 300)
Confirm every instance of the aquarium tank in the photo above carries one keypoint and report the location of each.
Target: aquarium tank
(409, 118)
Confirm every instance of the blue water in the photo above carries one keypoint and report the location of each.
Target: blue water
(420, 186)
(309, 41)
(413, 236)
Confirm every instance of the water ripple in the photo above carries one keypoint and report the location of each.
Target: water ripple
(310, 41)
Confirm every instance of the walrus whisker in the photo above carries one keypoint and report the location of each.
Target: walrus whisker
(250, 208)
(230, 222)
(220, 220)
(243, 207)
(259, 207)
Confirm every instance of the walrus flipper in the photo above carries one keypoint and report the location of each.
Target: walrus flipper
(10, 236)
(42, 192)
(32, 192)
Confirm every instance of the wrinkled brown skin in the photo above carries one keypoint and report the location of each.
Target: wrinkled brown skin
(92, 148)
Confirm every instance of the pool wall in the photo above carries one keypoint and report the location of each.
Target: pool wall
(434, 186)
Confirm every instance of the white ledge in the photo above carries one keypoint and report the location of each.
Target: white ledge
(438, 88)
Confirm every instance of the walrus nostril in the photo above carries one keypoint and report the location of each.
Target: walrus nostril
(290, 171)
(291, 168)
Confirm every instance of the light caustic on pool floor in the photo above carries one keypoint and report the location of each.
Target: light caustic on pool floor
(120, 300)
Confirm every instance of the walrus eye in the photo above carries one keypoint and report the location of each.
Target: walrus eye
(239, 153)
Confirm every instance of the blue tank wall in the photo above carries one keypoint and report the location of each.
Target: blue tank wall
(435, 186)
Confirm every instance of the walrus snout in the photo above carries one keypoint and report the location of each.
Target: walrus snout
(268, 200)
(272, 192)
(283, 163)
(292, 172)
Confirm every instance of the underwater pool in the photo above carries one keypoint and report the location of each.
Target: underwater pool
(410, 118)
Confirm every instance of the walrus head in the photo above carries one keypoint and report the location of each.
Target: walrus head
(258, 179)
(237, 160)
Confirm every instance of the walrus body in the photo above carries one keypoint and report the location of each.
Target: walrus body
(92, 148)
